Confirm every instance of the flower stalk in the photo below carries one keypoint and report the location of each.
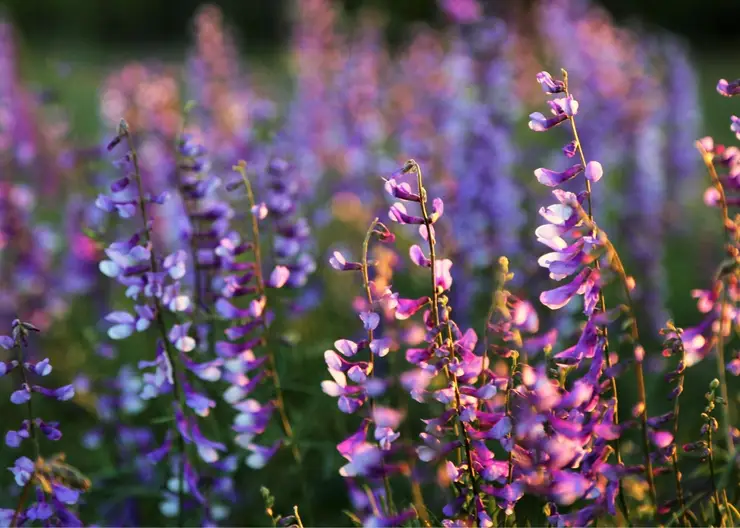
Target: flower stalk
(617, 266)
(159, 315)
(602, 301)
(460, 430)
(733, 238)
(241, 168)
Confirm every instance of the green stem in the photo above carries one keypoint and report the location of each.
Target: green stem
(733, 238)
(262, 294)
(674, 456)
(721, 371)
(618, 266)
(21, 502)
(715, 493)
(602, 305)
(171, 355)
(23, 378)
(369, 296)
(436, 321)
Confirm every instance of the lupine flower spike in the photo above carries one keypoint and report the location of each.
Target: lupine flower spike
(49, 486)
(371, 461)
(567, 217)
(156, 283)
(260, 316)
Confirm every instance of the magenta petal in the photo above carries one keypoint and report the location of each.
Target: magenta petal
(408, 307)
(442, 275)
(553, 178)
(559, 297)
(418, 257)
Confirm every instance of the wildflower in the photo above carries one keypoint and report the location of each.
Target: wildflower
(39, 475)
(728, 89)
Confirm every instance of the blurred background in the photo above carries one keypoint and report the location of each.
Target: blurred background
(84, 38)
(346, 91)
(265, 24)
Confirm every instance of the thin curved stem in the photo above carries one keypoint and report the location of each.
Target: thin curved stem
(715, 493)
(21, 502)
(674, 456)
(602, 305)
(618, 267)
(436, 321)
(370, 334)
(262, 293)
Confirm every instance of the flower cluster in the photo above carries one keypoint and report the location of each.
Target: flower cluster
(291, 245)
(229, 347)
(155, 284)
(248, 330)
(578, 246)
(51, 486)
(357, 387)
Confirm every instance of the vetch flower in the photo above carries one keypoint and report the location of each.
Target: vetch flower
(728, 89)
(339, 263)
(554, 178)
(550, 85)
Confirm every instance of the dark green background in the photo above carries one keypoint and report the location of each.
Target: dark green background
(264, 23)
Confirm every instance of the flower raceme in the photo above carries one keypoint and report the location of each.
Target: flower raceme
(355, 385)
(157, 286)
(577, 247)
(52, 487)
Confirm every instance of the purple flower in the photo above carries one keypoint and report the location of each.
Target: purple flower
(22, 470)
(559, 297)
(260, 455)
(401, 191)
(569, 486)
(178, 336)
(462, 12)
(40, 511)
(49, 429)
(174, 264)
(21, 395)
(733, 367)
(339, 263)
(550, 85)
(64, 393)
(64, 494)
(124, 325)
(553, 178)
(407, 307)
(539, 123)
(442, 275)
(14, 438)
(381, 346)
(386, 421)
(42, 368)
(418, 257)
(728, 89)
(346, 347)
(279, 277)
